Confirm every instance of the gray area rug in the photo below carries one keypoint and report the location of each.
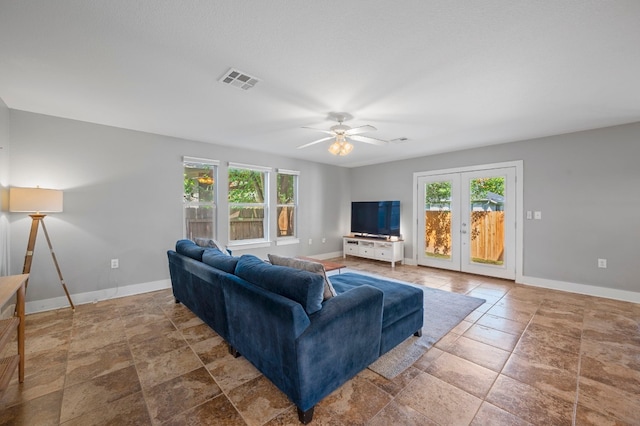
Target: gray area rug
(443, 310)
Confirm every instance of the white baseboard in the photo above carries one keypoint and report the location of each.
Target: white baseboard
(589, 290)
(130, 290)
(94, 296)
(8, 311)
(325, 256)
(409, 261)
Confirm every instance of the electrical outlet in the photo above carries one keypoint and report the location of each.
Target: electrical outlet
(602, 263)
(324, 240)
(537, 215)
(310, 241)
(115, 264)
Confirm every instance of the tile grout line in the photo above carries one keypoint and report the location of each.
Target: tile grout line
(179, 330)
(579, 368)
(135, 365)
(484, 399)
(507, 360)
(222, 391)
(66, 366)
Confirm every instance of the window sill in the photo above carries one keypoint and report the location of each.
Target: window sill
(248, 245)
(287, 241)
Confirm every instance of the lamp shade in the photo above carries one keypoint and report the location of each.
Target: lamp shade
(35, 200)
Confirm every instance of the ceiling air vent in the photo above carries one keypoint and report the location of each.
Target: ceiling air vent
(238, 79)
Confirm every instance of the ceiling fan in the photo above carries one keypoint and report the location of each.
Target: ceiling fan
(343, 134)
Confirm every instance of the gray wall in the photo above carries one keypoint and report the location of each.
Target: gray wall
(123, 199)
(586, 184)
(4, 189)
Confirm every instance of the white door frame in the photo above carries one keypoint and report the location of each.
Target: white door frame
(518, 165)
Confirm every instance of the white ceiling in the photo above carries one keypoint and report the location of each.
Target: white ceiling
(445, 74)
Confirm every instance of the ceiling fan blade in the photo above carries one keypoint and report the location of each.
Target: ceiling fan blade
(367, 139)
(329, 132)
(360, 129)
(315, 142)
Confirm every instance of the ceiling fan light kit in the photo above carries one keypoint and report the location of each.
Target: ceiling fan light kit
(340, 146)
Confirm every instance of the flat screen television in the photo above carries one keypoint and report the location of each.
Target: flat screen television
(375, 218)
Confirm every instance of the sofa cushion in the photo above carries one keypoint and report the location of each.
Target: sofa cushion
(211, 243)
(400, 299)
(217, 259)
(305, 265)
(303, 287)
(190, 249)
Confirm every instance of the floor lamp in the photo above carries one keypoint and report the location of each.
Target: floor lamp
(38, 201)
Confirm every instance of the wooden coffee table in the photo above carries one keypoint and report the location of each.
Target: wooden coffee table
(328, 265)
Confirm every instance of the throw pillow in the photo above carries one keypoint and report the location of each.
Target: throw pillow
(211, 243)
(306, 265)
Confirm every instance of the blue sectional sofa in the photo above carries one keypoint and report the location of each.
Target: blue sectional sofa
(279, 319)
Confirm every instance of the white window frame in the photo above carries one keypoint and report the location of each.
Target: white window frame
(256, 242)
(294, 239)
(213, 203)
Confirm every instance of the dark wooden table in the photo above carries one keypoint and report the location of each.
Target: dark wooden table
(328, 265)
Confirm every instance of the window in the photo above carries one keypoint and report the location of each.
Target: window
(248, 203)
(199, 198)
(287, 195)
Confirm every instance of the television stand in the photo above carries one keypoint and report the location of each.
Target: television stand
(374, 248)
(371, 237)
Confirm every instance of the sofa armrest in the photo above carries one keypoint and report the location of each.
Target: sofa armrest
(263, 326)
(342, 340)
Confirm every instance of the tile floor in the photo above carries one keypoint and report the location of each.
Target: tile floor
(527, 356)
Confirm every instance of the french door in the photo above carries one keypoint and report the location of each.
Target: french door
(466, 221)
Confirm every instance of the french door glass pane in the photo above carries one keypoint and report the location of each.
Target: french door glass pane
(487, 203)
(437, 221)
